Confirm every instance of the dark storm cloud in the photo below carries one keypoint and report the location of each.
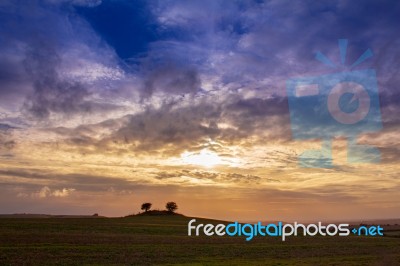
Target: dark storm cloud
(243, 42)
(246, 45)
(174, 128)
(7, 143)
(244, 51)
(255, 115)
(11, 77)
(51, 93)
(171, 79)
(157, 127)
(150, 130)
(130, 29)
(389, 108)
(34, 41)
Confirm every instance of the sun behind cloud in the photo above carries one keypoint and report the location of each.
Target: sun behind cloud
(205, 158)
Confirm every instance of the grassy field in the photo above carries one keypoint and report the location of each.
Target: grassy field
(149, 240)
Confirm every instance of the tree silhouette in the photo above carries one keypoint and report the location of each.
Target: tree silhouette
(171, 206)
(146, 206)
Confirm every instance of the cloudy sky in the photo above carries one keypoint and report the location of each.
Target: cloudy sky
(107, 104)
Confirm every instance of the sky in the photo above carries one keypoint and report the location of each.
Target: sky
(108, 104)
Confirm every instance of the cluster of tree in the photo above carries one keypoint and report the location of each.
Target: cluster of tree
(170, 206)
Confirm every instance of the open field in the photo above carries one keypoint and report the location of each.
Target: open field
(145, 240)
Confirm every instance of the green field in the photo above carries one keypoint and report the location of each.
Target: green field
(149, 240)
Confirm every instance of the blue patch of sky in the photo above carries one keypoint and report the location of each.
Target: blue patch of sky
(127, 26)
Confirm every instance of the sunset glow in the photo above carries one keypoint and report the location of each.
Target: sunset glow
(190, 102)
(204, 158)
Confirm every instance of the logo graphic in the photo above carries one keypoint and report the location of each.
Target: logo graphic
(343, 104)
(280, 229)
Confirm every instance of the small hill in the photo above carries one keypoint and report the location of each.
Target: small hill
(157, 213)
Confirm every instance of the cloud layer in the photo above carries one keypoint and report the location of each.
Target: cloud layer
(108, 97)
